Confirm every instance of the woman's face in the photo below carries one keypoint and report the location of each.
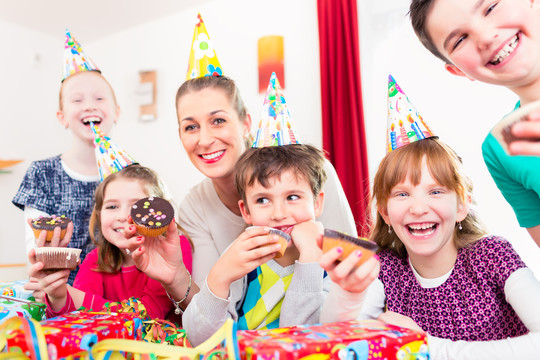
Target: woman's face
(211, 132)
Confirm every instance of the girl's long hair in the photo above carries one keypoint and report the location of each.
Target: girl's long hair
(445, 167)
(110, 258)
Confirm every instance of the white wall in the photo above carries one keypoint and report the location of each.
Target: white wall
(30, 80)
(461, 112)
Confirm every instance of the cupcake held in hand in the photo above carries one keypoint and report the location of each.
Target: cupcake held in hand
(152, 215)
(48, 224)
(333, 238)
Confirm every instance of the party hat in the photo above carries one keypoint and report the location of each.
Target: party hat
(109, 156)
(405, 125)
(276, 127)
(75, 60)
(203, 60)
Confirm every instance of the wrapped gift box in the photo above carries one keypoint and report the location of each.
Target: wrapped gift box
(11, 307)
(369, 339)
(77, 331)
(15, 289)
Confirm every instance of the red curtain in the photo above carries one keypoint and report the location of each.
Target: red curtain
(344, 136)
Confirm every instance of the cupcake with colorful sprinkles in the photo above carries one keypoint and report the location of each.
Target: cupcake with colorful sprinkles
(48, 224)
(152, 215)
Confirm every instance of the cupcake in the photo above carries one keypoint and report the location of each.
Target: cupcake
(284, 239)
(58, 257)
(349, 244)
(152, 215)
(49, 224)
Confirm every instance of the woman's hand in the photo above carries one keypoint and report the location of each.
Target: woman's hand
(347, 273)
(250, 250)
(394, 318)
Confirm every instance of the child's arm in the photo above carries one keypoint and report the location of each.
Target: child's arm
(349, 286)
(244, 255)
(305, 296)
(225, 284)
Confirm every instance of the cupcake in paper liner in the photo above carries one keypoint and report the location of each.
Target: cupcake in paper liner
(58, 257)
(48, 224)
(283, 240)
(333, 238)
(152, 215)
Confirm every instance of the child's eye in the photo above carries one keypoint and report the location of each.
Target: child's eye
(400, 194)
(459, 41)
(262, 201)
(437, 192)
(490, 8)
(110, 207)
(293, 197)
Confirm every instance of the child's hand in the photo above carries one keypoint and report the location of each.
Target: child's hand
(528, 130)
(158, 257)
(346, 273)
(53, 283)
(304, 236)
(244, 255)
(56, 240)
(394, 318)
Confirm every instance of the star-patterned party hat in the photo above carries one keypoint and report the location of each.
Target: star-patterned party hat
(405, 125)
(276, 126)
(75, 60)
(109, 156)
(203, 60)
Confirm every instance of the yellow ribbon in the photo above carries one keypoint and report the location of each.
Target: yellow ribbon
(113, 349)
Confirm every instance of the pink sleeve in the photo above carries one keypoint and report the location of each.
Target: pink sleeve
(69, 306)
(186, 252)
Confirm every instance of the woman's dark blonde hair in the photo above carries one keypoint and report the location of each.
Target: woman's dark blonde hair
(110, 258)
(445, 167)
(225, 84)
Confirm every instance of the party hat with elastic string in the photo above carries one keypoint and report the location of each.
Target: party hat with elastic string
(405, 125)
(203, 60)
(276, 127)
(109, 156)
(75, 59)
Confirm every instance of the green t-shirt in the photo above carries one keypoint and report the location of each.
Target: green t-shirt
(518, 179)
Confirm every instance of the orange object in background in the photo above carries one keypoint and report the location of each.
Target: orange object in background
(270, 50)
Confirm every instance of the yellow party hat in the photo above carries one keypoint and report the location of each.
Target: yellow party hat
(203, 60)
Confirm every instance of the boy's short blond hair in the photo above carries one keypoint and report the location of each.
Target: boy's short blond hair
(263, 164)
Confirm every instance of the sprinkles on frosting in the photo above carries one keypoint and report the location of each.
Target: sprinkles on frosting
(144, 212)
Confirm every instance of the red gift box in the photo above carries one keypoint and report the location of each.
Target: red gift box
(76, 332)
(368, 339)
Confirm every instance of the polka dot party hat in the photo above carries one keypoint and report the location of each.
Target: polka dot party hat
(276, 126)
(75, 60)
(203, 60)
(405, 125)
(109, 156)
